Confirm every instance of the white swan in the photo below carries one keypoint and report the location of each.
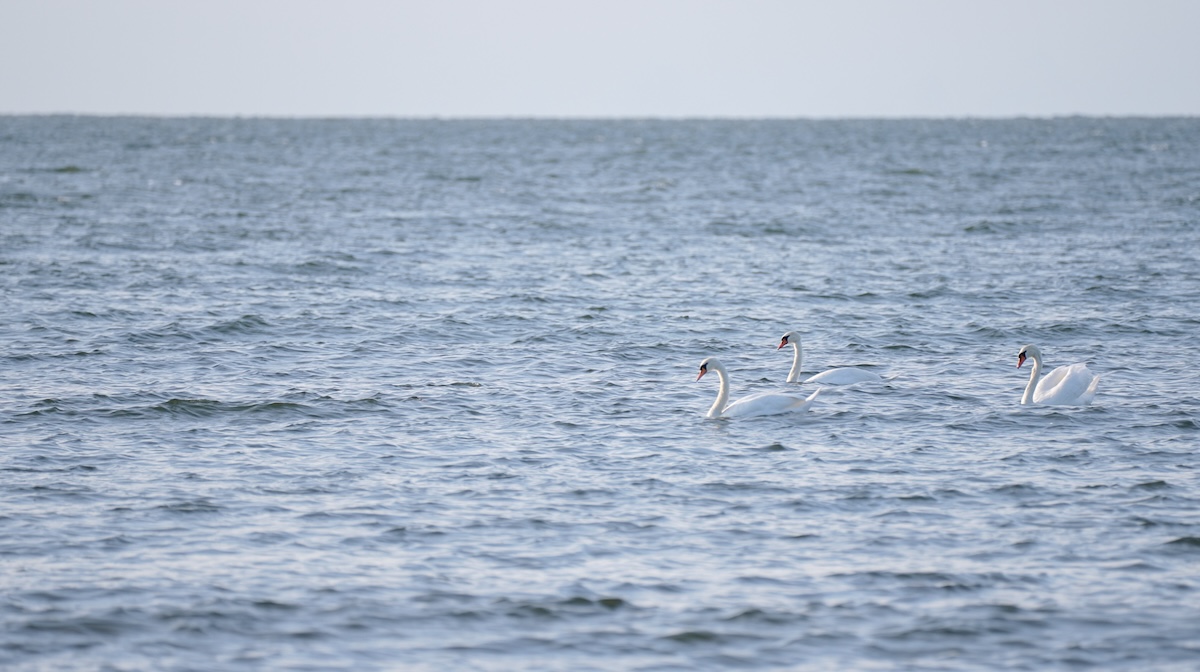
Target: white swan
(763, 403)
(1073, 385)
(846, 375)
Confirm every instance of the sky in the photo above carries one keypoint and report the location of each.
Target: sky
(601, 58)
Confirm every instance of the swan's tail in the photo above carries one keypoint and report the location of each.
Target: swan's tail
(1090, 392)
(806, 403)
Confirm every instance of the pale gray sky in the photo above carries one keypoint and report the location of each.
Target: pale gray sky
(605, 58)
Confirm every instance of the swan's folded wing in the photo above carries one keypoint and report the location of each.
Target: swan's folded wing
(846, 375)
(1074, 384)
(1090, 392)
(768, 403)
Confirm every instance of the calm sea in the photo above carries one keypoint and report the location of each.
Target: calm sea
(420, 395)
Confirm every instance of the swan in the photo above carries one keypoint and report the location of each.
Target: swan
(1073, 385)
(846, 375)
(763, 403)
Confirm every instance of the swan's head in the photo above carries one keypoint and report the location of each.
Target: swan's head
(706, 365)
(787, 339)
(1028, 351)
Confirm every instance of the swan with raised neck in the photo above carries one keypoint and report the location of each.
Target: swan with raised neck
(845, 375)
(763, 403)
(1073, 384)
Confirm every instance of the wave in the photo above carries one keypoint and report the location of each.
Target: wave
(137, 406)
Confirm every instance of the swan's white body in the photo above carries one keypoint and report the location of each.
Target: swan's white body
(763, 403)
(1073, 385)
(846, 375)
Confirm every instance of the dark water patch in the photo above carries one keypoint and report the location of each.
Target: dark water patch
(453, 178)
(910, 172)
(916, 498)
(1152, 485)
(1019, 490)
(995, 227)
(272, 605)
(271, 538)
(1187, 423)
(940, 581)
(1139, 566)
(320, 268)
(573, 607)
(208, 408)
(696, 637)
(19, 199)
(117, 541)
(722, 486)
(454, 383)
(902, 347)
(173, 332)
(136, 406)
(190, 507)
(246, 324)
(755, 615)
(118, 622)
(1189, 544)
(50, 470)
(64, 492)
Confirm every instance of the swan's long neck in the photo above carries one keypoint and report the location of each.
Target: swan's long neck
(1027, 398)
(794, 374)
(722, 395)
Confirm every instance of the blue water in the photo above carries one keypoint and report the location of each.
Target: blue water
(420, 394)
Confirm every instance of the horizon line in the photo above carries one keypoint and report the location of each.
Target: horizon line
(598, 117)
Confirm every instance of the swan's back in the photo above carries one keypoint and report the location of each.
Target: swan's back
(845, 375)
(1067, 385)
(768, 403)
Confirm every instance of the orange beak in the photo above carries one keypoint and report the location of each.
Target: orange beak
(1020, 360)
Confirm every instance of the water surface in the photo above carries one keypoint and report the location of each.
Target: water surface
(405, 394)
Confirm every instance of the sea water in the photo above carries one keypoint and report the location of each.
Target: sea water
(421, 394)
